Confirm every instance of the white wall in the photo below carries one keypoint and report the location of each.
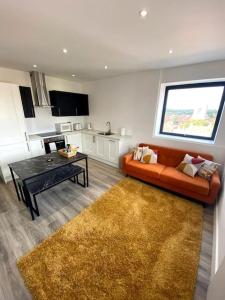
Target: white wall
(44, 121)
(126, 101)
(131, 100)
(219, 232)
(221, 226)
(216, 290)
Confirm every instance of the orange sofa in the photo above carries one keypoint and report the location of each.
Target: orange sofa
(165, 174)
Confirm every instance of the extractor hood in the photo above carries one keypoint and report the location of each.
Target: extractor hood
(40, 93)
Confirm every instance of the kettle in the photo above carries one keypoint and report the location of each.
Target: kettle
(77, 126)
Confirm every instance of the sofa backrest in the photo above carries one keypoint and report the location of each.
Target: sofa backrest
(172, 157)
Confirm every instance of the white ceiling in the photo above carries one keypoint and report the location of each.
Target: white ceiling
(109, 32)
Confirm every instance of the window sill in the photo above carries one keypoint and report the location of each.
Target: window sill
(183, 139)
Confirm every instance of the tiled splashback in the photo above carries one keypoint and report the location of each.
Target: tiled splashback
(45, 122)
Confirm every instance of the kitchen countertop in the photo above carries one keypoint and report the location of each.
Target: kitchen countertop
(34, 137)
(72, 132)
(116, 136)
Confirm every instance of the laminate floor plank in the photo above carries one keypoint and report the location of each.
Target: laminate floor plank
(18, 234)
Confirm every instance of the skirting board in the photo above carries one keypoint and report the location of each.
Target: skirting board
(215, 250)
(218, 251)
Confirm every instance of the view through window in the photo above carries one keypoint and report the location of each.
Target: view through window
(193, 110)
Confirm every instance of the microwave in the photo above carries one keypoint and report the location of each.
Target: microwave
(63, 127)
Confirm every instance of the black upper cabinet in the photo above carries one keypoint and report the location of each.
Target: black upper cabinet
(27, 101)
(82, 107)
(69, 104)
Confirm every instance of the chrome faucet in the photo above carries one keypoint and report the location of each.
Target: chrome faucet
(108, 124)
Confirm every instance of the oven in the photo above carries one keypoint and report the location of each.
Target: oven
(54, 143)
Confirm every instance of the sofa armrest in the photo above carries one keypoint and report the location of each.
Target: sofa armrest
(214, 186)
(126, 158)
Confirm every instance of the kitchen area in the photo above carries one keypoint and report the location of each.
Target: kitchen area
(37, 121)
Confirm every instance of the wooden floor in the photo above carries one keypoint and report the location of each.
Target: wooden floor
(18, 234)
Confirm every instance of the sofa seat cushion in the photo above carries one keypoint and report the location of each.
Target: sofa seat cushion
(195, 184)
(150, 170)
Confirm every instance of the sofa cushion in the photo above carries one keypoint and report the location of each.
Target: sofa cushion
(149, 156)
(197, 184)
(190, 165)
(151, 170)
(207, 169)
(138, 153)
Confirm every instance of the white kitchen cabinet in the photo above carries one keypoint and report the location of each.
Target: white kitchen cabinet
(89, 143)
(12, 125)
(112, 150)
(74, 139)
(13, 143)
(10, 154)
(100, 147)
(36, 148)
(103, 148)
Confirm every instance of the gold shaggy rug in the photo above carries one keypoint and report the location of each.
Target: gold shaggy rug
(134, 242)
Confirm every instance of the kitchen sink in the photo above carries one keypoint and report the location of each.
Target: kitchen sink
(105, 133)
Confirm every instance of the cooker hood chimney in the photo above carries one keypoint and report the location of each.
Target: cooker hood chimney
(41, 96)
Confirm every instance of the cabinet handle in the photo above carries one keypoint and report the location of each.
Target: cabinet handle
(93, 138)
(25, 135)
(28, 148)
(112, 141)
(76, 111)
(59, 111)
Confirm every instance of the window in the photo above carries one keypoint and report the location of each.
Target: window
(192, 110)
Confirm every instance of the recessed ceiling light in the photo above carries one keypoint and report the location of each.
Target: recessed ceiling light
(65, 50)
(170, 51)
(73, 75)
(35, 66)
(143, 13)
(106, 67)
